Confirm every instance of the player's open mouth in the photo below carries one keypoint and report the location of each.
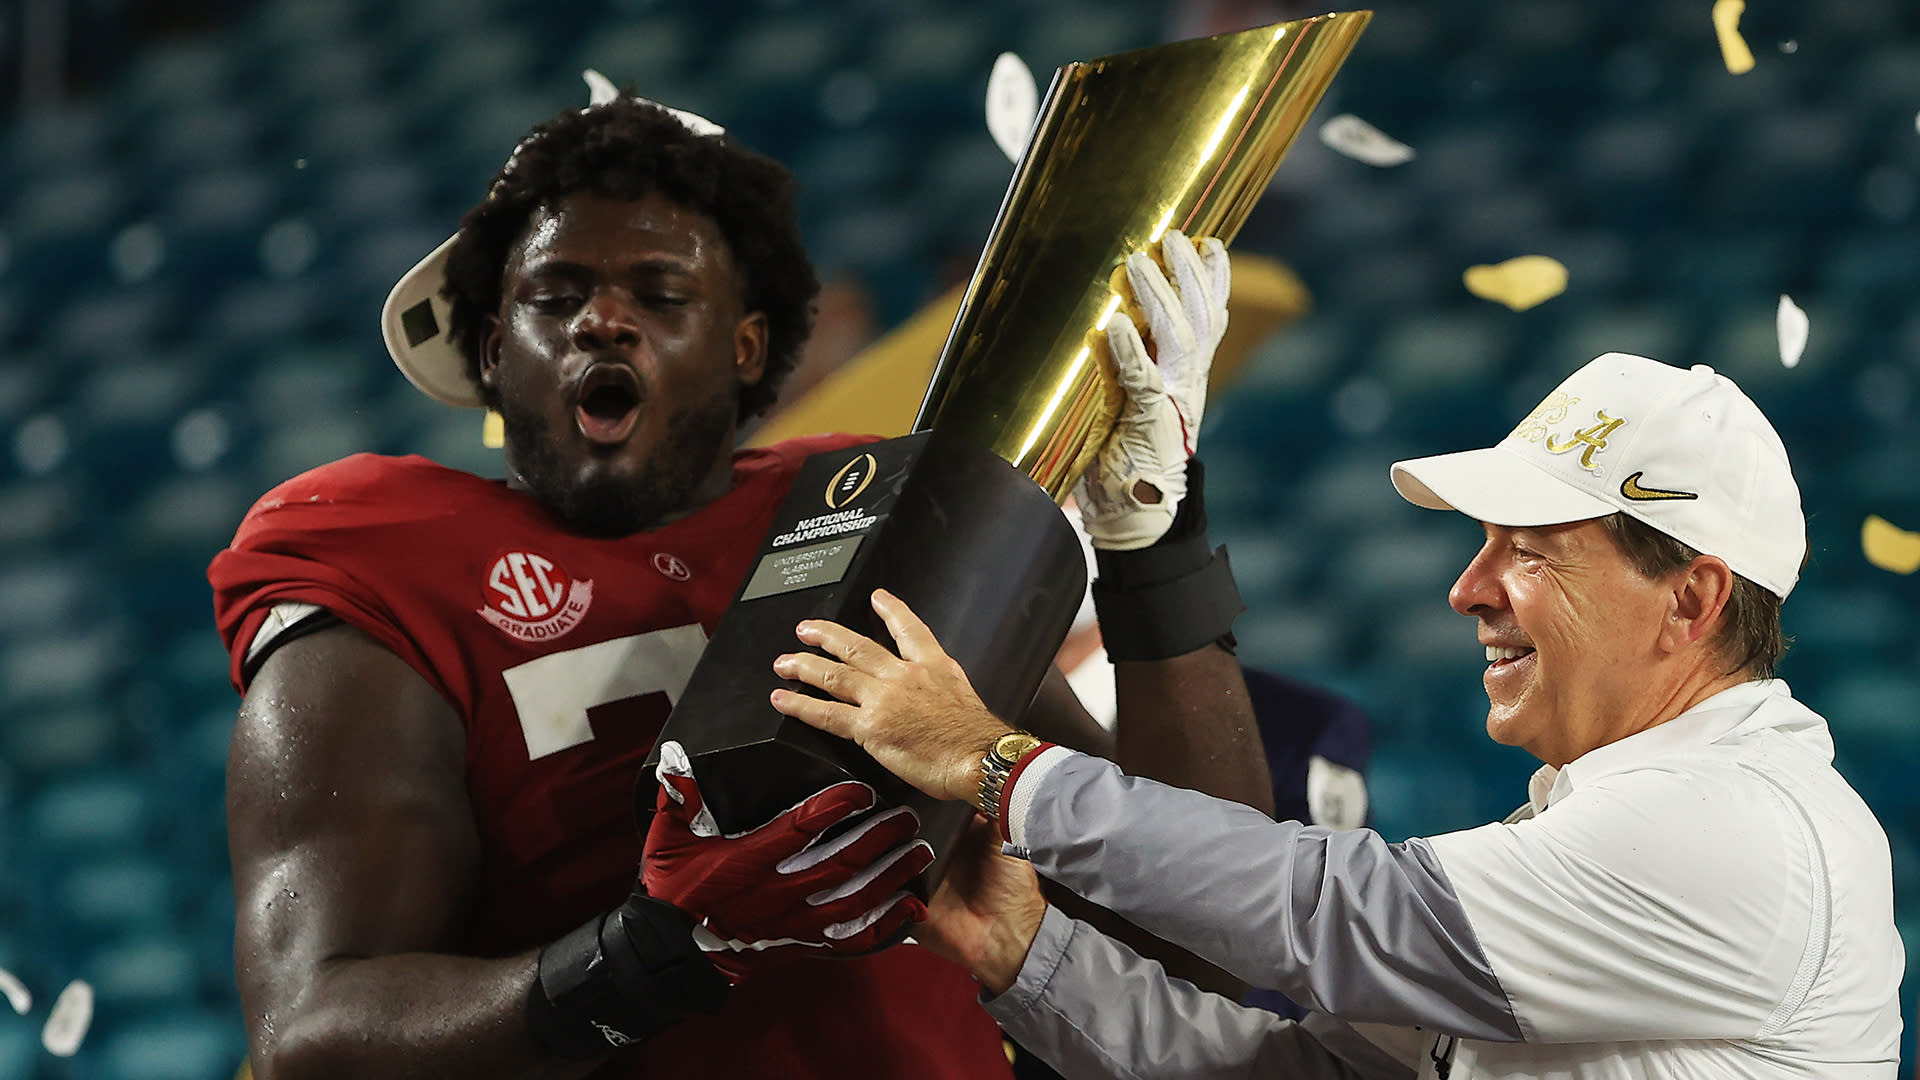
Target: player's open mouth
(609, 408)
(1500, 654)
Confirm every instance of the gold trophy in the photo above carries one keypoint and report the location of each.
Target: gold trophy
(1182, 136)
(959, 518)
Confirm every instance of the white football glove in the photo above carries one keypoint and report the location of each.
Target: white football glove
(1129, 495)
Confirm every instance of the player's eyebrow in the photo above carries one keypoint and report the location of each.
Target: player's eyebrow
(554, 268)
(660, 264)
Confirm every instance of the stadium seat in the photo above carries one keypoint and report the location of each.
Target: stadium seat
(123, 894)
(97, 811)
(185, 1044)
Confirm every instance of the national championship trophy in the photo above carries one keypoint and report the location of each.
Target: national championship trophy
(960, 519)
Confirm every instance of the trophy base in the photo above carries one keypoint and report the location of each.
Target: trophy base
(978, 550)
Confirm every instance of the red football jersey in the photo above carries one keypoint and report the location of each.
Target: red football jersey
(563, 654)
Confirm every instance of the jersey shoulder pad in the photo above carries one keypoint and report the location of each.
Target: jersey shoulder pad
(786, 455)
(360, 491)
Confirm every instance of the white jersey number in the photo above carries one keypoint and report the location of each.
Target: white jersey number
(552, 694)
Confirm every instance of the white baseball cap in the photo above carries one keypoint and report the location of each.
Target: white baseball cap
(416, 320)
(1683, 451)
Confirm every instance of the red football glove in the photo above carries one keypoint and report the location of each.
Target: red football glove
(779, 884)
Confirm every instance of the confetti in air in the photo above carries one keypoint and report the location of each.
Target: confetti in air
(1888, 546)
(72, 1015)
(1348, 134)
(1013, 100)
(1726, 25)
(1792, 325)
(16, 991)
(493, 431)
(1519, 283)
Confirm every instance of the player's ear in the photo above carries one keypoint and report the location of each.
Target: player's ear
(750, 348)
(490, 337)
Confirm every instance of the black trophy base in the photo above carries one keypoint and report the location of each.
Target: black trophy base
(977, 549)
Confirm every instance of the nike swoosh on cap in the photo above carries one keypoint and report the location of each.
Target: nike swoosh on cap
(1630, 487)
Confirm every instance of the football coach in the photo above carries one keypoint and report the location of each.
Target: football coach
(1691, 890)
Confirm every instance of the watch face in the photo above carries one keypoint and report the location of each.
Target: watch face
(1015, 745)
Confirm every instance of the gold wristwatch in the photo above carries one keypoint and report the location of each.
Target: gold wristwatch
(1005, 753)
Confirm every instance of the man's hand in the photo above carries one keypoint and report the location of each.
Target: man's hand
(987, 910)
(780, 884)
(916, 713)
(1129, 495)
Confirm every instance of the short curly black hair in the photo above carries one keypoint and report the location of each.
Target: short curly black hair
(627, 149)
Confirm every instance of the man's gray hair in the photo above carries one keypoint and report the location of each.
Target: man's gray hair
(1749, 637)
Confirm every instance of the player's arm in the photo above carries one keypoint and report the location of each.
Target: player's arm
(354, 858)
(1165, 597)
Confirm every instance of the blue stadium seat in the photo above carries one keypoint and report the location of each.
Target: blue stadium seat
(1076, 31)
(62, 666)
(146, 969)
(186, 1044)
(124, 895)
(20, 1052)
(47, 742)
(192, 512)
(652, 54)
(97, 811)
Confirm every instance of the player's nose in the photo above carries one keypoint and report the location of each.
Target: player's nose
(605, 321)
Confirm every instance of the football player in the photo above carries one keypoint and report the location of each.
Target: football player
(449, 682)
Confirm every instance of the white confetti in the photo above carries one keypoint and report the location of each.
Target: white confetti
(1792, 326)
(1361, 141)
(600, 89)
(1013, 100)
(17, 994)
(72, 1015)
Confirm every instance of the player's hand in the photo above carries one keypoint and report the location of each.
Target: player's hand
(987, 910)
(916, 713)
(781, 884)
(1129, 495)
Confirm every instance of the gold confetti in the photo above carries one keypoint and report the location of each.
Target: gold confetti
(493, 431)
(1726, 25)
(1888, 546)
(1519, 283)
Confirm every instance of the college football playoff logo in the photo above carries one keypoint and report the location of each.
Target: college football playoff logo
(532, 599)
(850, 481)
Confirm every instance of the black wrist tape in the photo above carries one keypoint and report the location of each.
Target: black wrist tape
(620, 979)
(1172, 618)
(1173, 596)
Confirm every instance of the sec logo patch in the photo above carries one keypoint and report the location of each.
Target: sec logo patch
(671, 567)
(532, 599)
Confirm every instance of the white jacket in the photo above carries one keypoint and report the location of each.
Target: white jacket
(1705, 899)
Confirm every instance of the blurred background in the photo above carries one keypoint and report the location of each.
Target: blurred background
(202, 205)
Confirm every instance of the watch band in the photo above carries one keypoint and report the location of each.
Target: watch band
(1005, 753)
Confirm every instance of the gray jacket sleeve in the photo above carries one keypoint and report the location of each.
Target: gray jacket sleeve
(1091, 1007)
(1342, 922)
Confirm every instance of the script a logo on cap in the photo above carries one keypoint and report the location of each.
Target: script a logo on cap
(850, 481)
(1630, 487)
